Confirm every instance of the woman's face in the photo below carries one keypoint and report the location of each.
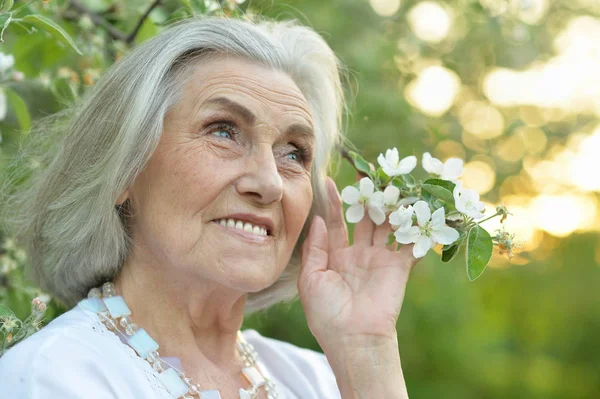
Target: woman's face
(238, 146)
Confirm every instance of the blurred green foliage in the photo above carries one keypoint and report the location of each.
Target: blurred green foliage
(526, 328)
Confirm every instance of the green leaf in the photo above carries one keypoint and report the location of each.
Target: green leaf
(51, 27)
(360, 163)
(6, 5)
(438, 192)
(447, 184)
(19, 107)
(479, 251)
(4, 311)
(382, 178)
(409, 180)
(450, 253)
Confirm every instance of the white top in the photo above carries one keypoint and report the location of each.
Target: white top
(76, 356)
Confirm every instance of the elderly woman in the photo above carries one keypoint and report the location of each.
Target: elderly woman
(188, 189)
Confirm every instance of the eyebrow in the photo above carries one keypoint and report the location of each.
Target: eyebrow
(250, 118)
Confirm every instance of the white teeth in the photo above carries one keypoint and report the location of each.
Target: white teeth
(248, 227)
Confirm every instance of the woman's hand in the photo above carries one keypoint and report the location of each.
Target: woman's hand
(352, 294)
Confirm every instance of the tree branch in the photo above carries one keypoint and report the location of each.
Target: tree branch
(98, 20)
(132, 35)
(113, 32)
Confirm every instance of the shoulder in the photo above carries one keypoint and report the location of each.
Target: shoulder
(72, 357)
(304, 371)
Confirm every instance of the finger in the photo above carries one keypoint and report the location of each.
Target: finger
(363, 232)
(314, 250)
(336, 226)
(381, 234)
(407, 252)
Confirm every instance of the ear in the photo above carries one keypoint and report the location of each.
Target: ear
(123, 197)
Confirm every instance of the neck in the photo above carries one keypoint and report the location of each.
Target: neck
(194, 320)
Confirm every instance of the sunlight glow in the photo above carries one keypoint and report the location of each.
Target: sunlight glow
(385, 8)
(434, 90)
(567, 81)
(430, 21)
(479, 176)
(481, 120)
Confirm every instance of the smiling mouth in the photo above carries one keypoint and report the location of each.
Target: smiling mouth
(249, 231)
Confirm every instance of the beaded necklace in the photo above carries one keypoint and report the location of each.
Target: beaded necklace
(115, 315)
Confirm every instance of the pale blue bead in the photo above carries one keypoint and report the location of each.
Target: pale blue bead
(173, 383)
(210, 395)
(142, 343)
(117, 306)
(94, 304)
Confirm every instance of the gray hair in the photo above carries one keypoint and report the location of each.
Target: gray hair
(59, 202)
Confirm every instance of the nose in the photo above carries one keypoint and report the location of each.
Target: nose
(261, 178)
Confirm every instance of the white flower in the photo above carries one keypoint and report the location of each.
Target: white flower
(402, 218)
(6, 62)
(365, 197)
(467, 202)
(2, 105)
(432, 229)
(391, 194)
(451, 170)
(393, 166)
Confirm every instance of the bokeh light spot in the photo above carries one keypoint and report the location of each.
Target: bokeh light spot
(385, 8)
(430, 21)
(481, 119)
(479, 176)
(434, 90)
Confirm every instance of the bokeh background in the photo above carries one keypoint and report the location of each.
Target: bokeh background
(510, 86)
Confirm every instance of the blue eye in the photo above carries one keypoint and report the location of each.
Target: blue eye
(223, 133)
(295, 155)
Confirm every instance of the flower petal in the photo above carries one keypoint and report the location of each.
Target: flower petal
(366, 187)
(422, 211)
(350, 195)
(444, 235)
(355, 213)
(382, 161)
(422, 246)
(408, 201)
(402, 218)
(407, 236)
(432, 165)
(438, 219)
(377, 215)
(392, 157)
(391, 195)
(388, 170)
(453, 169)
(407, 165)
(376, 199)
